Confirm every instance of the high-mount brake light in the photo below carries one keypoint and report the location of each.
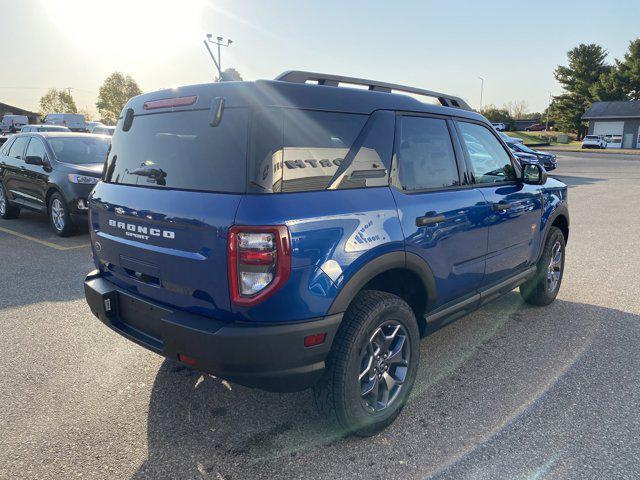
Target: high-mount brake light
(259, 262)
(170, 102)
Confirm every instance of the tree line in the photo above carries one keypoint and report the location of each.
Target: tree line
(510, 112)
(589, 78)
(586, 78)
(113, 95)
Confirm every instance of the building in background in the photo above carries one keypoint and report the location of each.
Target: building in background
(6, 109)
(618, 122)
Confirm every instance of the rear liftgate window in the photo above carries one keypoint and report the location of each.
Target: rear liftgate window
(303, 150)
(181, 150)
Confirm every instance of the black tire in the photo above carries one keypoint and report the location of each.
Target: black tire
(543, 288)
(8, 211)
(339, 394)
(59, 216)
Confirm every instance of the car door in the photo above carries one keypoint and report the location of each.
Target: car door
(516, 208)
(14, 168)
(442, 217)
(36, 177)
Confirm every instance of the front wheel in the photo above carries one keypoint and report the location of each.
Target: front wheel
(59, 216)
(543, 288)
(372, 366)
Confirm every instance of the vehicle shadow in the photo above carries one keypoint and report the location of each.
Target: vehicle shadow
(575, 181)
(477, 375)
(37, 225)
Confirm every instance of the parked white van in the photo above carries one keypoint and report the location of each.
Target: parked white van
(13, 123)
(73, 121)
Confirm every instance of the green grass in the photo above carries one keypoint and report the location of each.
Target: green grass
(532, 138)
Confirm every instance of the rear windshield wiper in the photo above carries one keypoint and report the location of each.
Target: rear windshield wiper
(156, 174)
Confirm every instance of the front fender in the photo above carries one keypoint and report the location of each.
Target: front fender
(555, 206)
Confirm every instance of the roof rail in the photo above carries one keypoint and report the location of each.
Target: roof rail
(298, 76)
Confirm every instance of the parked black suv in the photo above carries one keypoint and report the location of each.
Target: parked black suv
(52, 173)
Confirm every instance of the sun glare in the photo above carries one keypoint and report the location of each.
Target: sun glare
(128, 28)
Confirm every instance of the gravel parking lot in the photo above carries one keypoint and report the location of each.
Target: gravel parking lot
(511, 391)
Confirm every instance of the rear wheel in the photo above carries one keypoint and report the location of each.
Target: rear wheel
(7, 210)
(372, 366)
(59, 216)
(543, 288)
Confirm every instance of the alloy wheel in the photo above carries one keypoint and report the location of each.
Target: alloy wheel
(57, 214)
(384, 363)
(3, 201)
(554, 270)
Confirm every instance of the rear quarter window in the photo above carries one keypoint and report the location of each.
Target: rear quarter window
(4, 150)
(304, 150)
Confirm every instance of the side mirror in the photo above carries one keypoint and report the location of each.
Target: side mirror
(34, 160)
(533, 174)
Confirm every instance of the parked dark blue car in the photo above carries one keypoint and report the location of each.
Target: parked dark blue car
(548, 160)
(286, 235)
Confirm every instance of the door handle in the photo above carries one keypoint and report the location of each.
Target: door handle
(501, 206)
(429, 220)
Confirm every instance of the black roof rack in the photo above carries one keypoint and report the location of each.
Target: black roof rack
(298, 76)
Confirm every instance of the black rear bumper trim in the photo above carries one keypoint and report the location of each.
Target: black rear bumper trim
(271, 357)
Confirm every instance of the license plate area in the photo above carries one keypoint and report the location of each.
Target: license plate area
(142, 318)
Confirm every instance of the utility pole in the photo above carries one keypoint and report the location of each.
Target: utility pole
(546, 127)
(481, 91)
(220, 42)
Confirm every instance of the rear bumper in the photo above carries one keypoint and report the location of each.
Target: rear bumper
(269, 357)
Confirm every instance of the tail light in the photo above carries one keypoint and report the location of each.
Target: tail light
(259, 262)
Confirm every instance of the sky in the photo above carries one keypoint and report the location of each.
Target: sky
(438, 45)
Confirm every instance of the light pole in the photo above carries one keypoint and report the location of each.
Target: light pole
(220, 42)
(546, 127)
(481, 91)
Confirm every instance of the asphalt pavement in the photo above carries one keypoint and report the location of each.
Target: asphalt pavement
(510, 391)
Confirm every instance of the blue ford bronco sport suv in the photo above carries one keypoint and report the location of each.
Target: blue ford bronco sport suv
(295, 233)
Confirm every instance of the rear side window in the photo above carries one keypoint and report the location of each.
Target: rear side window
(490, 162)
(425, 155)
(17, 148)
(182, 150)
(302, 150)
